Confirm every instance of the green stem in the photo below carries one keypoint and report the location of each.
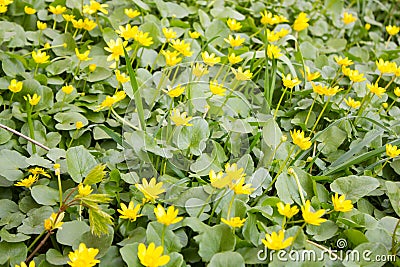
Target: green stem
(30, 124)
(320, 115)
(394, 246)
(36, 240)
(364, 104)
(230, 207)
(280, 169)
(60, 191)
(122, 119)
(299, 187)
(163, 235)
(216, 205)
(309, 112)
(205, 203)
(279, 103)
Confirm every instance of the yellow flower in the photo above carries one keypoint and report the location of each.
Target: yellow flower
(151, 256)
(272, 36)
(57, 10)
(392, 151)
(79, 125)
(233, 59)
(312, 76)
(116, 48)
(210, 59)
(199, 70)
(267, 18)
(180, 119)
(92, 67)
(276, 241)
(130, 212)
(301, 22)
(23, 264)
(240, 188)
(310, 217)
(331, 91)
(355, 76)
(3, 9)
(150, 190)
(273, 51)
(84, 56)
(40, 57)
(397, 91)
(233, 173)
(33, 100)
(95, 6)
(37, 170)
(176, 92)
(54, 221)
(392, 30)
(41, 25)
(131, 13)
(217, 180)
(286, 210)
(241, 75)
(288, 82)
(107, 103)
(194, 34)
(57, 169)
(367, 26)
(84, 190)
(67, 89)
(169, 33)
(182, 47)
(89, 24)
(15, 86)
(121, 77)
(234, 222)
(28, 182)
(127, 32)
(143, 38)
(171, 58)
(233, 24)
(83, 256)
(298, 139)
(29, 10)
(234, 42)
(167, 217)
(375, 89)
(386, 67)
(68, 17)
(341, 204)
(118, 96)
(352, 103)
(282, 32)
(348, 18)
(343, 61)
(385, 105)
(78, 24)
(217, 89)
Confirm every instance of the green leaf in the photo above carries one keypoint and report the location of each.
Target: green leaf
(12, 238)
(71, 231)
(354, 187)
(96, 175)
(129, 255)
(218, 238)
(10, 163)
(101, 242)
(99, 222)
(7, 207)
(79, 162)
(369, 253)
(154, 234)
(33, 223)
(322, 232)
(194, 137)
(67, 120)
(393, 192)
(231, 259)
(53, 256)
(12, 67)
(272, 134)
(356, 237)
(13, 253)
(331, 139)
(45, 195)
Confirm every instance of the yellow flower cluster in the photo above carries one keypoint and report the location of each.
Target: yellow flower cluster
(111, 100)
